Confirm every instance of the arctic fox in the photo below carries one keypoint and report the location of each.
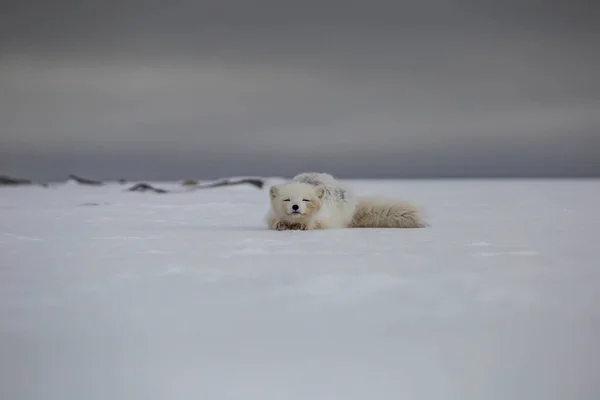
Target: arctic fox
(314, 201)
(310, 201)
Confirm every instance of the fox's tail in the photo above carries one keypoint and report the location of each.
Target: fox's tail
(376, 212)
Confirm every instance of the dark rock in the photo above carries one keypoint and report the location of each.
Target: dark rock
(85, 181)
(146, 187)
(190, 182)
(258, 183)
(6, 180)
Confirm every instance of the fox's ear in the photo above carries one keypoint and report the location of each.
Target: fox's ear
(320, 191)
(273, 191)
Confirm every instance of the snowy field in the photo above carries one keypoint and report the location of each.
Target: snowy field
(108, 295)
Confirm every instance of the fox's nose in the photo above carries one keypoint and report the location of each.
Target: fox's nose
(295, 207)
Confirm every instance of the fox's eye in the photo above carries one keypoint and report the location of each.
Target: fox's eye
(286, 199)
(307, 200)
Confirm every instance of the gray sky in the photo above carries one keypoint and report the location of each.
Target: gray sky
(172, 90)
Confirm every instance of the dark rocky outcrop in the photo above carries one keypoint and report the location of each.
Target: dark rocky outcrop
(85, 181)
(6, 180)
(190, 182)
(258, 183)
(146, 187)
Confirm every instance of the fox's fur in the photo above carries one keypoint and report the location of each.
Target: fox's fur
(316, 201)
(322, 203)
(380, 212)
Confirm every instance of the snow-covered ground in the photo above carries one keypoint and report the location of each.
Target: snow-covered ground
(108, 295)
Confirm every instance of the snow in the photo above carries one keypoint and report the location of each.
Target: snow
(106, 294)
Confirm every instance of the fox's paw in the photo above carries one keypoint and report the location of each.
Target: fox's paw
(298, 227)
(285, 226)
(282, 226)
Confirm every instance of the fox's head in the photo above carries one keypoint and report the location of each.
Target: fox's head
(296, 200)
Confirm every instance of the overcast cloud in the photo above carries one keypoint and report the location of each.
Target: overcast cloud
(159, 90)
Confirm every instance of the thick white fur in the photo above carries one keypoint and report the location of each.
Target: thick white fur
(331, 204)
(338, 202)
(323, 202)
(381, 212)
